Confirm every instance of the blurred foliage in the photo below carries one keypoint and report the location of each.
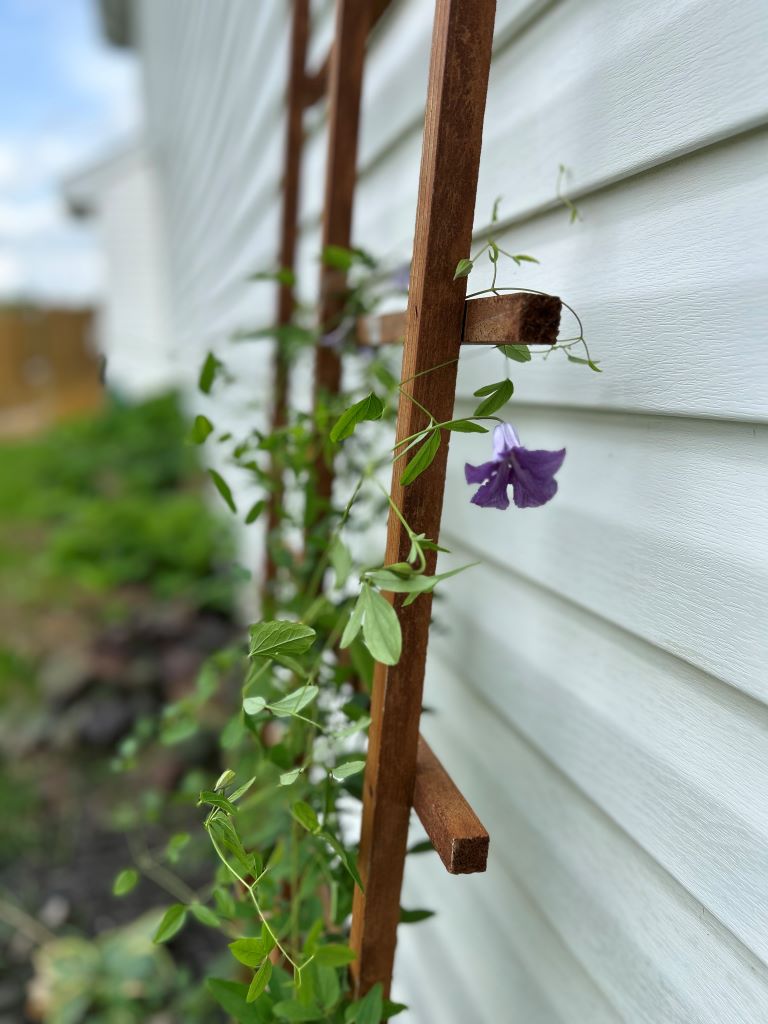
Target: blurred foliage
(108, 502)
(117, 581)
(120, 978)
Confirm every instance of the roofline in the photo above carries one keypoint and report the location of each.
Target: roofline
(117, 22)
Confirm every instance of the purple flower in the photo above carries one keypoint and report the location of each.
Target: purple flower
(531, 474)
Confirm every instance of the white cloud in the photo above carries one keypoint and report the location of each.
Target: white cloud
(9, 164)
(11, 276)
(30, 217)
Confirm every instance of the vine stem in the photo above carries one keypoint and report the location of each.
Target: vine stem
(406, 527)
(297, 969)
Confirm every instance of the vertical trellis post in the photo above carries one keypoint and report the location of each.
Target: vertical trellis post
(296, 101)
(458, 79)
(345, 83)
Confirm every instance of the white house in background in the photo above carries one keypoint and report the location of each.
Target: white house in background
(133, 328)
(602, 693)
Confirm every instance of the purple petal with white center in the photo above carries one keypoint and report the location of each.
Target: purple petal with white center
(504, 440)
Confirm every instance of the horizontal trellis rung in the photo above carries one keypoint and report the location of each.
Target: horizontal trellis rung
(455, 830)
(521, 318)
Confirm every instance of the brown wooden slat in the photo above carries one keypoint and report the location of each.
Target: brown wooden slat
(456, 831)
(288, 235)
(458, 81)
(522, 318)
(345, 81)
(316, 83)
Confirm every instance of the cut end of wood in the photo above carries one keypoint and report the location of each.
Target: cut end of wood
(469, 854)
(519, 318)
(453, 827)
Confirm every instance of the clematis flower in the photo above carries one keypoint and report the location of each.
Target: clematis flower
(531, 474)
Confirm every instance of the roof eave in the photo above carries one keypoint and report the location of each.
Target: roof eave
(117, 22)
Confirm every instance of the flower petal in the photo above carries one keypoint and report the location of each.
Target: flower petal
(504, 440)
(493, 494)
(533, 473)
(479, 474)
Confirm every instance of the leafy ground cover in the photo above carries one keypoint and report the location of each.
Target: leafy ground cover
(116, 584)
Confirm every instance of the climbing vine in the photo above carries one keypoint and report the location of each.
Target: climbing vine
(281, 820)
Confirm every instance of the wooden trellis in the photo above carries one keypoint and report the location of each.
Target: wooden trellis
(401, 770)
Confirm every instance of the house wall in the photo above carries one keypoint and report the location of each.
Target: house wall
(133, 329)
(599, 687)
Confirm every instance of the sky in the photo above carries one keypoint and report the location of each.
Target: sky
(66, 100)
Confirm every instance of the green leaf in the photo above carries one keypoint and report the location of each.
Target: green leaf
(381, 629)
(347, 859)
(495, 210)
(288, 778)
(417, 584)
(422, 459)
(584, 362)
(172, 922)
(414, 916)
(224, 833)
(369, 408)
(224, 780)
(241, 790)
(270, 638)
(205, 915)
(465, 427)
(392, 1009)
(201, 428)
(522, 258)
(385, 579)
(209, 372)
(423, 847)
(250, 951)
(334, 955)
(290, 1010)
(341, 560)
(259, 982)
(368, 1010)
(500, 396)
(353, 625)
(125, 882)
(175, 845)
(294, 702)
(520, 353)
(283, 276)
(355, 727)
(305, 816)
(254, 705)
(346, 770)
(223, 488)
(255, 511)
(288, 336)
(326, 985)
(463, 269)
(216, 800)
(231, 997)
(341, 258)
